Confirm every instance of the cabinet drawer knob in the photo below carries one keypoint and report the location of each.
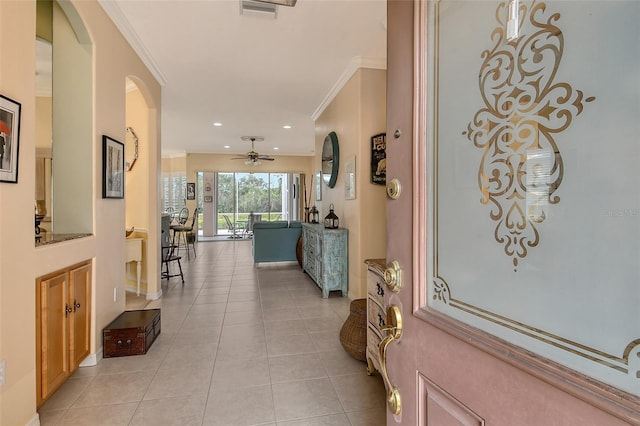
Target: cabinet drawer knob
(393, 276)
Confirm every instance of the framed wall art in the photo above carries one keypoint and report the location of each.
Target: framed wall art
(319, 185)
(9, 139)
(379, 159)
(112, 168)
(350, 178)
(191, 191)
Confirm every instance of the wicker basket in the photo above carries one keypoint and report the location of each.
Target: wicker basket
(353, 334)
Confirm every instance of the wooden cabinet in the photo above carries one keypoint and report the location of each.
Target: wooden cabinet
(325, 257)
(376, 311)
(63, 326)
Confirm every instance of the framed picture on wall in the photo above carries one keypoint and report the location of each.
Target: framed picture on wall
(191, 191)
(350, 179)
(112, 168)
(379, 159)
(319, 185)
(9, 139)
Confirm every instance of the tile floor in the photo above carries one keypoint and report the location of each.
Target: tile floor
(239, 346)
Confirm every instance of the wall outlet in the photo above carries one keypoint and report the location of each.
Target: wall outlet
(115, 294)
(3, 369)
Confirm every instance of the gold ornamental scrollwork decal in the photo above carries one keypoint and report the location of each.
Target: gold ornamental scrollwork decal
(525, 109)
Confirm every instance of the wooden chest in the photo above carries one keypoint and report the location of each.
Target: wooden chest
(132, 333)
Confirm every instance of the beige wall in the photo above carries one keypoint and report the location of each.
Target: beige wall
(138, 209)
(20, 261)
(355, 114)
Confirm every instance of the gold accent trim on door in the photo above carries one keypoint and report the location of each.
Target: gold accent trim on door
(394, 332)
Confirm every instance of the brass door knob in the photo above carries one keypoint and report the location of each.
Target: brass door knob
(394, 332)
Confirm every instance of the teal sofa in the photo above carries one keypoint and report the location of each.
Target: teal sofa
(275, 241)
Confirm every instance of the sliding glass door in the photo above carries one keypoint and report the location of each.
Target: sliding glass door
(241, 198)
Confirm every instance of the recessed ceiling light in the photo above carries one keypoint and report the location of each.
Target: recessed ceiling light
(275, 147)
(217, 124)
(286, 126)
(227, 147)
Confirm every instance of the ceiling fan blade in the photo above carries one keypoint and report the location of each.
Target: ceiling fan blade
(265, 157)
(238, 158)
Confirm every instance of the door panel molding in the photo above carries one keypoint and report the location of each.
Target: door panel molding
(438, 407)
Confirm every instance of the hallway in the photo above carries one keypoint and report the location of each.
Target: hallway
(239, 345)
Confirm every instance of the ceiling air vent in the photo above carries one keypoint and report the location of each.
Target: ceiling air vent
(258, 8)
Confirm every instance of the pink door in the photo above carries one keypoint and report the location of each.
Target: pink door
(442, 371)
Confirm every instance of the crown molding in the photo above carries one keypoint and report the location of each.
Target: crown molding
(356, 63)
(120, 21)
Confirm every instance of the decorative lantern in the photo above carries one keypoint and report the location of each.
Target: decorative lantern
(315, 215)
(331, 221)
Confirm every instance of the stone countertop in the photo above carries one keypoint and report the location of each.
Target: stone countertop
(49, 238)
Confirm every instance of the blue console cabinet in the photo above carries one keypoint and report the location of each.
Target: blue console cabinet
(325, 257)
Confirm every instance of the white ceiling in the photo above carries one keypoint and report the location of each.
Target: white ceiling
(251, 73)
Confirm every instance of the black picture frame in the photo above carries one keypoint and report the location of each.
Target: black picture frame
(9, 139)
(112, 168)
(379, 159)
(191, 191)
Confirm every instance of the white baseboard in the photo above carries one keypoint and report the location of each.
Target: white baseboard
(35, 421)
(92, 359)
(154, 296)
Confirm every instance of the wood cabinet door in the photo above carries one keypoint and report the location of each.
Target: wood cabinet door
(80, 319)
(52, 322)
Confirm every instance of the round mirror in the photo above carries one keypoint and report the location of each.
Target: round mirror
(330, 159)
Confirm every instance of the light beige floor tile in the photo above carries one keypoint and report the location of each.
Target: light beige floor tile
(66, 394)
(244, 297)
(209, 298)
(315, 325)
(191, 354)
(316, 311)
(115, 389)
(238, 288)
(171, 411)
(204, 320)
(250, 306)
(193, 336)
(359, 391)
(338, 363)
(241, 349)
(182, 380)
(209, 308)
(273, 304)
(326, 341)
(50, 418)
(306, 398)
(296, 367)
(291, 345)
(371, 417)
(232, 318)
(240, 373)
(111, 415)
(285, 328)
(215, 290)
(280, 314)
(239, 331)
(239, 407)
(127, 364)
(332, 420)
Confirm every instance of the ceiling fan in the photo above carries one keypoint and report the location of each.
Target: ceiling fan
(253, 158)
